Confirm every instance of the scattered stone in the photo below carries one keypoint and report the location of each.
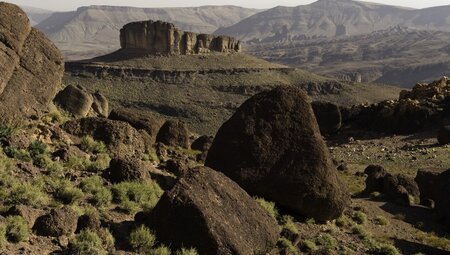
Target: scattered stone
(174, 133)
(188, 216)
(126, 169)
(328, 117)
(58, 222)
(273, 141)
(31, 67)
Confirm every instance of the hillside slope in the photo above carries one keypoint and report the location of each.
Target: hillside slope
(329, 18)
(94, 30)
(398, 56)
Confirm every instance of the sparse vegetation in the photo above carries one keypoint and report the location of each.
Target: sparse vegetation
(359, 217)
(308, 246)
(187, 251)
(88, 144)
(287, 246)
(360, 232)
(381, 220)
(16, 229)
(3, 239)
(161, 250)
(384, 249)
(326, 241)
(142, 240)
(268, 206)
(87, 242)
(136, 195)
(289, 225)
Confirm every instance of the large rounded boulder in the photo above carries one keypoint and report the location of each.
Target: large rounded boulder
(210, 212)
(174, 133)
(444, 135)
(272, 147)
(31, 67)
(75, 100)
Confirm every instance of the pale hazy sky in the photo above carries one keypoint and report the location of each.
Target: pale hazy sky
(64, 5)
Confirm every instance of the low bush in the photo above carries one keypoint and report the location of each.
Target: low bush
(381, 220)
(187, 251)
(268, 206)
(161, 250)
(17, 229)
(359, 217)
(384, 249)
(308, 246)
(2, 235)
(88, 144)
(87, 242)
(287, 246)
(142, 240)
(28, 194)
(143, 194)
(327, 242)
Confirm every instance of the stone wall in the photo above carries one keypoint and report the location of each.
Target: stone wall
(159, 37)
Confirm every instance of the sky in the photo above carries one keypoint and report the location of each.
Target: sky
(66, 5)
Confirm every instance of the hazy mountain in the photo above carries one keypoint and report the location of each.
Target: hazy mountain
(36, 15)
(329, 18)
(394, 56)
(93, 30)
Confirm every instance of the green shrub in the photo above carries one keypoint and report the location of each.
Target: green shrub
(268, 206)
(287, 246)
(129, 207)
(22, 155)
(5, 133)
(91, 184)
(360, 217)
(327, 242)
(308, 246)
(144, 194)
(17, 229)
(102, 197)
(28, 194)
(384, 249)
(161, 250)
(77, 163)
(65, 191)
(88, 144)
(289, 225)
(87, 242)
(2, 235)
(37, 148)
(187, 251)
(381, 220)
(342, 221)
(100, 163)
(360, 232)
(142, 239)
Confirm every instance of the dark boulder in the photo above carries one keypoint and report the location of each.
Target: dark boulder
(328, 117)
(374, 181)
(31, 67)
(126, 169)
(210, 212)
(174, 133)
(120, 138)
(442, 202)
(100, 106)
(443, 136)
(59, 222)
(203, 143)
(272, 147)
(427, 181)
(139, 120)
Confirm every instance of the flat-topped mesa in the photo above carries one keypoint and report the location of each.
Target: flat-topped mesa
(158, 37)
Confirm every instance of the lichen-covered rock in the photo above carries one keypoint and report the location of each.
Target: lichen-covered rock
(174, 133)
(272, 147)
(120, 138)
(210, 212)
(59, 222)
(31, 67)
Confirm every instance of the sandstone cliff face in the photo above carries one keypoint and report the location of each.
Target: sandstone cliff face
(31, 67)
(164, 38)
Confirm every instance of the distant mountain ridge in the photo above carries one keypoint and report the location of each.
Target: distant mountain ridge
(330, 18)
(94, 30)
(36, 15)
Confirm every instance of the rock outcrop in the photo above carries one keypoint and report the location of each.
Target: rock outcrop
(126, 169)
(328, 117)
(210, 212)
(31, 67)
(157, 37)
(58, 222)
(272, 147)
